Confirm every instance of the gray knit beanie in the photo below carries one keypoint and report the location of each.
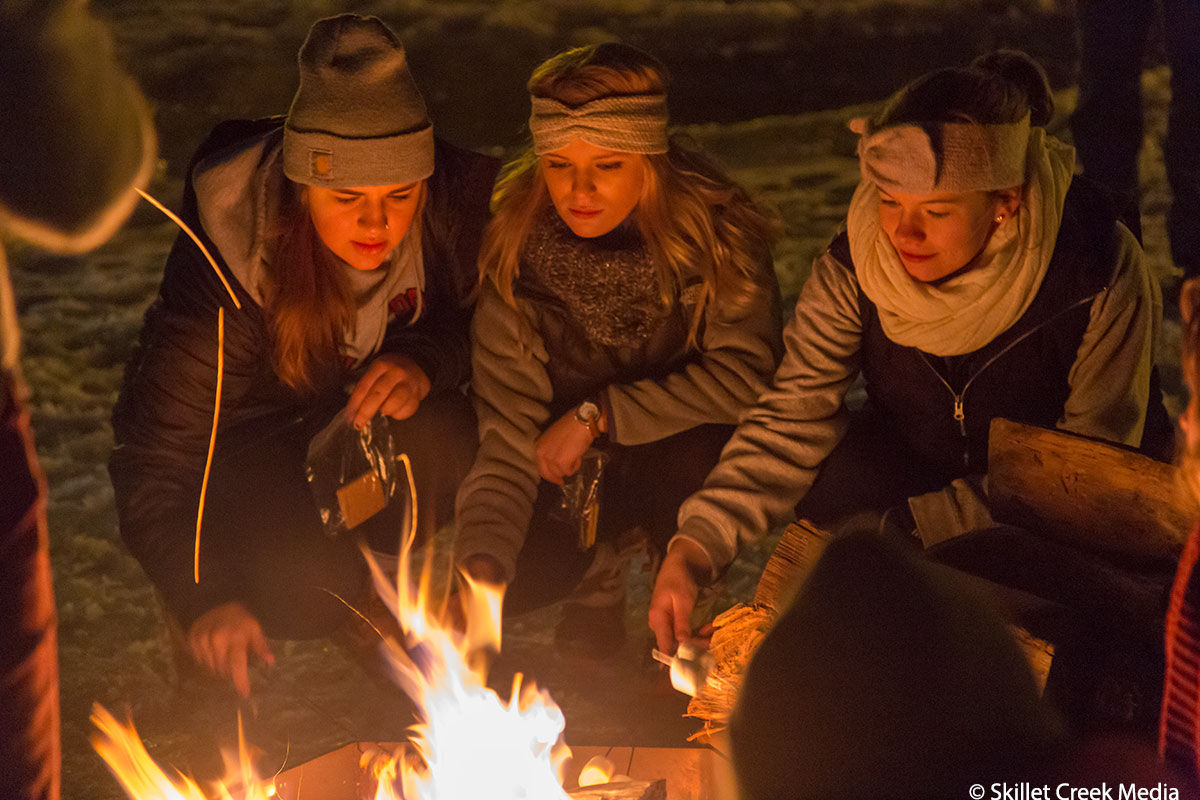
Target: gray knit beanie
(358, 118)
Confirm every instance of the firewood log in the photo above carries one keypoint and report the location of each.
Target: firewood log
(738, 632)
(623, 790)
(798, 550)
(1089, 494)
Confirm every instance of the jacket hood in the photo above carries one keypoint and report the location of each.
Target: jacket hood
(237, 198)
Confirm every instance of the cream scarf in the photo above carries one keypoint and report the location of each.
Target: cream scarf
(964, 313)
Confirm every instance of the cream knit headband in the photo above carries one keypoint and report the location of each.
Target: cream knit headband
(974, 157)
(629, 123)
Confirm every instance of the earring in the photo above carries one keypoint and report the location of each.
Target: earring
(999, 218)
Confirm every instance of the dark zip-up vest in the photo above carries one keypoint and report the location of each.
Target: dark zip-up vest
(942, 407)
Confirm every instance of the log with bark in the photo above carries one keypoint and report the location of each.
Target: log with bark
(1089, 494)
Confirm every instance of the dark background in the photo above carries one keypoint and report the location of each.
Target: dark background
(768, 86)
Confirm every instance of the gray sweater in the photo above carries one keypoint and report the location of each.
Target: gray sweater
(736, 355)
(773, 457)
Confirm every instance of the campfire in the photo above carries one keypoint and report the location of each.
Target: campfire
(468, 741)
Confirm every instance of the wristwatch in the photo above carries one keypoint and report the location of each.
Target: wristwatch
(587, 414)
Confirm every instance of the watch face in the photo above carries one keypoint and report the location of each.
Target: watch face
(588, 411)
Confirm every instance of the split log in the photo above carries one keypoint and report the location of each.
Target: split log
(738, 632)
(1089, 494)
(623, 790)
(798, 550)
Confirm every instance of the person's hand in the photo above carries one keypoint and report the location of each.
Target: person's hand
(393, 384)
(684, 569)
(222, 640)
(560, 448)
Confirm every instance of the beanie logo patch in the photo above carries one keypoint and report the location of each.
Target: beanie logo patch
(320, 163)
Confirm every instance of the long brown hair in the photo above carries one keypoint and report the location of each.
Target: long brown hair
(691, 214)
(308, 300)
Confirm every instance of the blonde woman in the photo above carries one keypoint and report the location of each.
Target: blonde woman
(628, 306)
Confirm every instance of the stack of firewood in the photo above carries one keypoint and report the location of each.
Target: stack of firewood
(1087, 494)
(738, 632)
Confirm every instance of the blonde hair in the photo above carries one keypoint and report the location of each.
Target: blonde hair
(309, 304)
(691, 214)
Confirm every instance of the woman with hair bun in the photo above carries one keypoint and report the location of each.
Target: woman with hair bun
(975, 279)
(629, 307)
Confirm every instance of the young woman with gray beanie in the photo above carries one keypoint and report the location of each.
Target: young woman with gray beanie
(344, 240)
(629, 313)
(975, 278)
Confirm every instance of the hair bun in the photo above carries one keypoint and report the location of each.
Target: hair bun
(1024, 74)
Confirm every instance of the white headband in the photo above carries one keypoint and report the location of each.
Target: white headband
(629, 123)
(974, 157)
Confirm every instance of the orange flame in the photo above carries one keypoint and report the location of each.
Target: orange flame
(143, 779)
(468, 742)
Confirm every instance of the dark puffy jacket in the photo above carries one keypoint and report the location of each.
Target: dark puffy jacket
(163, 418)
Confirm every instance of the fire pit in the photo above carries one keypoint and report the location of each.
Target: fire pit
(469, 741)
(664, 773)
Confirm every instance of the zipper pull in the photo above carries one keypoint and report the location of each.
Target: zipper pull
(961, 416)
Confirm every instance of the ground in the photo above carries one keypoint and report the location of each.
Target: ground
(204, 61)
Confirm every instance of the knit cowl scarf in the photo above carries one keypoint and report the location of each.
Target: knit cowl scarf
(979, 302)
(608, 284)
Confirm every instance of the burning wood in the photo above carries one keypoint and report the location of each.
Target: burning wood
(142, 779)
(468, 742)
(683, 773)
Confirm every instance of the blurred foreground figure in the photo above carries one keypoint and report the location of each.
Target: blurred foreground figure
(1107, 124)
(885, 679)
(1179, 733)
(890, 678)
(75, 139)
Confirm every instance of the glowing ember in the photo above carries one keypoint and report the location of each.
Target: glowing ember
(469, 743)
